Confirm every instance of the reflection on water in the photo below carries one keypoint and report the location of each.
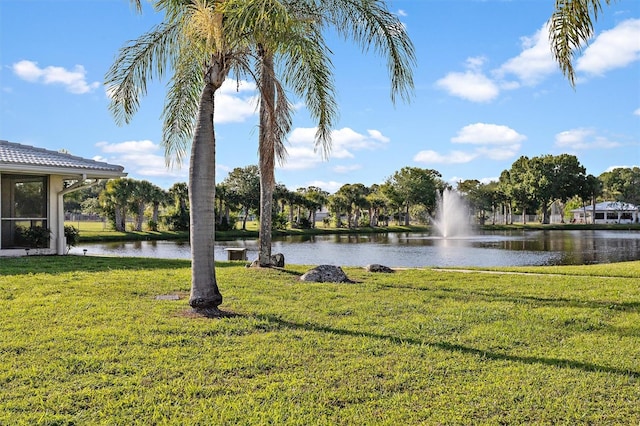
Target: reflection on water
(501, 248)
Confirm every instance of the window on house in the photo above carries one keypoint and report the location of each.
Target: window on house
(23, 211)
(599, 215)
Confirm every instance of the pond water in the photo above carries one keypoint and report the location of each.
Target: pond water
(495, 248)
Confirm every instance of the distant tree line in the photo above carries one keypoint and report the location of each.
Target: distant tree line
(530, 186)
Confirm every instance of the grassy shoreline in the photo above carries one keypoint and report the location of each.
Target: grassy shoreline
(86, 340)
(95, 233)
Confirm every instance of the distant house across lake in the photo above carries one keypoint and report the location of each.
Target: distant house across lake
(33, 182)
(608, 212)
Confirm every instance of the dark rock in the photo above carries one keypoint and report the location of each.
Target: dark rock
(277, 261)
(326, 274)
(378, 268)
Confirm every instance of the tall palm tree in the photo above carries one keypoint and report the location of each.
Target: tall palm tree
(178, 216)
(316, 198)
(193, 42)
(143, 192)
(114, 200)
(157, 197)
(289, 33)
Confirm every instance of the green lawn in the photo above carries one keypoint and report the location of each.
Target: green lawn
(98, 231)
(84, 340)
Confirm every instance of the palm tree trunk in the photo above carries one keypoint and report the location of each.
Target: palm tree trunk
(117, 219)
(123, 219)
(291, 213)
(205, 296)
(140, 216)
(156, 209)
(266, 149)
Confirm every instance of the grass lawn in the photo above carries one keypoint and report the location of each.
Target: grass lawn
(84, 340)
(99, 231)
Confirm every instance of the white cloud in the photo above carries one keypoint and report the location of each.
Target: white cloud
(301, 158)
(636, 112)
(141, 158)
(581, 139)
(402, 12)
(74, 81)
(493, 141)
(231, 86)
(128, 147)
(378, 136)
(502, 153)
(236, 102)
(475, 63)
(471, 85)
(488, 180)
(453, 157)
(331, 186)
(487, 134)
(345, 141)
(346, 169)
(611, 168)
(534, 63)
(612, 49)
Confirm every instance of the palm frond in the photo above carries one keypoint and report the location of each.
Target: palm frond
(181, 106)
(370, 24)
(137, 4)
(571, 28)
(136, 64)
(204, 23)
(308, 71)
(283, 120)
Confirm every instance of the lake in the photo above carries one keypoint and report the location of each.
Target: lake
(484, 249)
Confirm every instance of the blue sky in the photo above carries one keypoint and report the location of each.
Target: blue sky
(487, 91)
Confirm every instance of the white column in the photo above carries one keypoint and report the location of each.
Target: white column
(56, 214)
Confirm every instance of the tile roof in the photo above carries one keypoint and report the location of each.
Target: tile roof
(610, 206)
(29, 157)
(615, 205)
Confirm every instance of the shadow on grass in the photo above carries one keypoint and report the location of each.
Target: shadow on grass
(452, 347)
(470, 295)
(72, 263)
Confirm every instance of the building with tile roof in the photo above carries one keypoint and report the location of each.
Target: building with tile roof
(33, 182)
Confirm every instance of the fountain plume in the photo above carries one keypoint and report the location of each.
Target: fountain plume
(452, 216)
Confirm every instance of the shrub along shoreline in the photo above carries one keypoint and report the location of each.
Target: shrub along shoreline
(95, 340)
